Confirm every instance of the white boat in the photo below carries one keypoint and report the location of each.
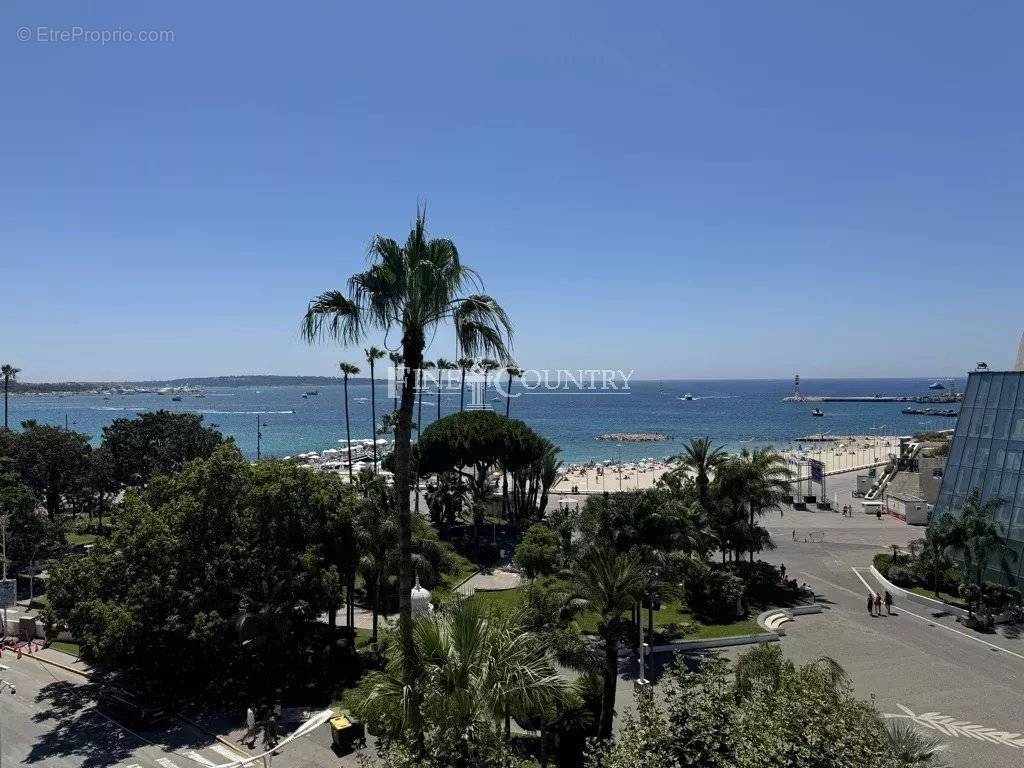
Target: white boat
(817, 412)
(687, 396)
(936, 385)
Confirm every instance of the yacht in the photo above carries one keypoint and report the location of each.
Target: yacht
(312, 392)
(817, 412)
(935, 385)
(687, 396)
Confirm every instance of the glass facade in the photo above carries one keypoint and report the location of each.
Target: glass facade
(987, 453)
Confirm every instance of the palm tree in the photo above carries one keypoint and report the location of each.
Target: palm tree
(411, 289)
(912, 748)
(513, 372)
(10, 373)
(475, 671)
(465, 364)
(702, 459)
(373, 354)
(442, 365)
(767, 475)
(426, 365)
(610, 584)
(348, 369)
(487, 365)
(976, 534)
(396, 362)
(378, 536)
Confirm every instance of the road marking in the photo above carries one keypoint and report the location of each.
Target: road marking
(950, 726)
(191, 754)
(869, 587)
(223, 751)
(165, 763)
(830, 583)
(948, 629)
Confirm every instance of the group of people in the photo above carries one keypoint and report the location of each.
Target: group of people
(262, 719)
(875, 602)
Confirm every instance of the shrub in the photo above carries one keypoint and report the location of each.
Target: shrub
(761, 581)
(538, 553)
(715, 595)
(903, 577)
(883, 562)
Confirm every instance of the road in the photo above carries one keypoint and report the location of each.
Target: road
(52, 722)
(909, 660)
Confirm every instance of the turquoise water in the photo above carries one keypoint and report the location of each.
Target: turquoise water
(735, 413)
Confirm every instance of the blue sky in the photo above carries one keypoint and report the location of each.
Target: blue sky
(690, 190)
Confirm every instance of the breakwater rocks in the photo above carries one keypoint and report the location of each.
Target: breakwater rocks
(634, 437)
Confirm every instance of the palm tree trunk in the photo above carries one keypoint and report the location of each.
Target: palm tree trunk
(348, 432)
(462, 393)
(611, 674)
(438, 395)
(751, 533)
(508, 396)
(412, 348)
(6, 385)
(373, 416)
(419, 427)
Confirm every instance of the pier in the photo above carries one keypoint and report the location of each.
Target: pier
(798, 397)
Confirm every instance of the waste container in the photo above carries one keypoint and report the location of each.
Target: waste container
(347, 733)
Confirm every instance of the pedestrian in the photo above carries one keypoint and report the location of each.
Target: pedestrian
(270, 732)
(782, 570)
(794, 534)
(878, 514)
(250, 728)
(878, 604)
(871, 604)
(888, 603)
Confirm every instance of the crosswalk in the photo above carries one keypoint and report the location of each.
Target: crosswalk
(208, 757)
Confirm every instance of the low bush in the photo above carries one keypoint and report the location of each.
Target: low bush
(715, 595)
(883, 562)
(902, 577)
(761, 581)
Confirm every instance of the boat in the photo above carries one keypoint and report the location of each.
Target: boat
(305, 396)
(313, 392)
(496, 399)
(175, 399)
(817, 412)
(936, 385)
(687, 396)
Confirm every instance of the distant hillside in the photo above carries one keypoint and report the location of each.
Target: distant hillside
(30, 387)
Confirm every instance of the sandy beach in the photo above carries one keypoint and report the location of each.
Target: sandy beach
(842, 454)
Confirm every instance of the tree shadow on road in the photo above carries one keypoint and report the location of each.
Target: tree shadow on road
(79, 731)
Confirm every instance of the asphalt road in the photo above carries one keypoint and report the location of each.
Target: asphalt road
(52, 722)
(909, 660)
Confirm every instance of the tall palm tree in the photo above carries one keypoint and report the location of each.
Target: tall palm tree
(768, 484)
(465, 364)
(396, 362)
(513, 373)
(348, 369)
(373, 354)
(610, 584)
(411, 289)
(442, 365)
(426, 365)
(487, 365)
(701, 458)
(10, 373)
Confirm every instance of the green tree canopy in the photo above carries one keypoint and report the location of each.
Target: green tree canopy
(157, 443)
(539, 551)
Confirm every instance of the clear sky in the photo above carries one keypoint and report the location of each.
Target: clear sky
(684, 189)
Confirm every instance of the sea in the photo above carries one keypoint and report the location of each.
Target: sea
(733, 413)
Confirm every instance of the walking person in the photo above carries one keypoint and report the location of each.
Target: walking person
(782, 570)
(250, 728)
(878, 605)
(888, 603)
(794, 534)
(871, 604)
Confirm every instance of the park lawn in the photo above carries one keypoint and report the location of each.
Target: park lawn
(72, 649)
(943, 596)
(672, 612)
(464, 568)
